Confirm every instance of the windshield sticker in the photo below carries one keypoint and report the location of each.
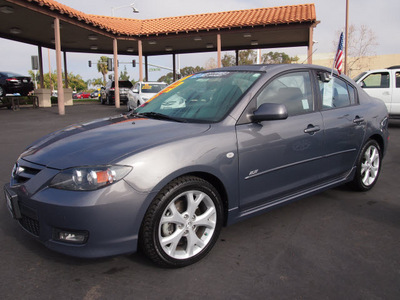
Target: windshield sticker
(174, 85)
(215, 74)
(146, 87)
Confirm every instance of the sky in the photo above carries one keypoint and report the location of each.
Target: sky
(380, 16)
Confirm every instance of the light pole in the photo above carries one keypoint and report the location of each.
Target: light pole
(132, 5)
(346, 37)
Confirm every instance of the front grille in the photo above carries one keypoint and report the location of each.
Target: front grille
(23, 171)
(30, 225)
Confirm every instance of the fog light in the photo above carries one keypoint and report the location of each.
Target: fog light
(75, 237)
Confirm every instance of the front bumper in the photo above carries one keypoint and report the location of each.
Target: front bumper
(111, 217)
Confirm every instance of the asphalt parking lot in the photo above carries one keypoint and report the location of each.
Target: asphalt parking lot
(335, 245)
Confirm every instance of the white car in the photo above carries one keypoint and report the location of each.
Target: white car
(143, 91)
(383, 84)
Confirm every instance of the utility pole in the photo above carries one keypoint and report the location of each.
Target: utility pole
(346, 39)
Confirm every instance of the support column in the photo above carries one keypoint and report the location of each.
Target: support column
(146, 68)
(116, 76)
(310, 44)
(60, 92)
(140, 50)
(219, 63)
(65, 70)
(173, 68)
(237, 57)
(41, 72)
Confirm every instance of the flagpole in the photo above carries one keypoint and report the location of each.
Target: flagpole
(346, 37)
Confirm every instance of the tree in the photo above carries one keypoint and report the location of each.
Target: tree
(97, 82)
(278, 58)
(124, 75)
(361, 43)
(74, 81)
(186, 71)
(102, 67)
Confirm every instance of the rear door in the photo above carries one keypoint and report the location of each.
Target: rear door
(378, 84)
(344, 126)
(395, 107)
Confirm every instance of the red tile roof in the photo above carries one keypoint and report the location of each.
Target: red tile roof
(210, 21)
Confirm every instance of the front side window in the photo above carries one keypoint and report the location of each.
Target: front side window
(293, 90)
(335, 94)
(379, 80)
(202, 97)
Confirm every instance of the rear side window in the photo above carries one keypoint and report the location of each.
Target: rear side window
(336, 93)
(397, 79)
(379, 80)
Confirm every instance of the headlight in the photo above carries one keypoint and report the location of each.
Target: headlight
(89, 178)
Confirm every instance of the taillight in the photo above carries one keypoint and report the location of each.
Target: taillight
(14, 80)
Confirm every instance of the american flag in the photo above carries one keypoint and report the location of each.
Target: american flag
(338, 64)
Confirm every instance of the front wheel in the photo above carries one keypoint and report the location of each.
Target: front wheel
(368, 166)
(182, 223)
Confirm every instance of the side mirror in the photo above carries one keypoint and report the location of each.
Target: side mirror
(269, 111)
(361, 83)
(135, 91)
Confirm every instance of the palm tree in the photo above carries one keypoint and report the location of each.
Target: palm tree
(102, 67)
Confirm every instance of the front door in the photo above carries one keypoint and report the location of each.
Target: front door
(281, 156)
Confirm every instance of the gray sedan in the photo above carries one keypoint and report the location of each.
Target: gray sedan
(210, 150)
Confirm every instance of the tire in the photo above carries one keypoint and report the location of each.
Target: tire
(102, 101)
(182, 223)
(368, 166)
(2, 91)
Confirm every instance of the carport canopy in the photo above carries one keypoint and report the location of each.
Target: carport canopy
(47, 23)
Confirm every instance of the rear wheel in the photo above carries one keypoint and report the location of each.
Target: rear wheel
(2, 92)
(368, 166)
(182, 223)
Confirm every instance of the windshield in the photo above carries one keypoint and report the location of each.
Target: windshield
(152, 87)
(202, 97)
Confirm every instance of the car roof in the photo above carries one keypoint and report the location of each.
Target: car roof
(270, 67)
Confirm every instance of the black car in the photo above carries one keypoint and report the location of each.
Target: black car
(11, 83)
(108, 93)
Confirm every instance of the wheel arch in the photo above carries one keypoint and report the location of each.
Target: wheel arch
(379, 139)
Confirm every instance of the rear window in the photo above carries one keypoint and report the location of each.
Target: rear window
(123, 84)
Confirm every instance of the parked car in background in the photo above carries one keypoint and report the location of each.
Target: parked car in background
(83, 95)
(95, 94)
(385, 85)
(74, 95)
(143, 91)
(168, 177)
(108, 93)
(11, 83)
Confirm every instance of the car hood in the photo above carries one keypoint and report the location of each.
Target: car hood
(105, 141)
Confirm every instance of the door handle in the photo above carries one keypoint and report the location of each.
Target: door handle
(311, 129)
(358, 120)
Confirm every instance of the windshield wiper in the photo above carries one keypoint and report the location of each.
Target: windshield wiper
(159, 116)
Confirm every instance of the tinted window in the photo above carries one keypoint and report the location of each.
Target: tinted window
(377, 80)
(123, 84)
(293, 90)
(397, 79)
(335, 93)
(202, 97)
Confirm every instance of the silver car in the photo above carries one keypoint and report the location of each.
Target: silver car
(142, 92)
(167, 177)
